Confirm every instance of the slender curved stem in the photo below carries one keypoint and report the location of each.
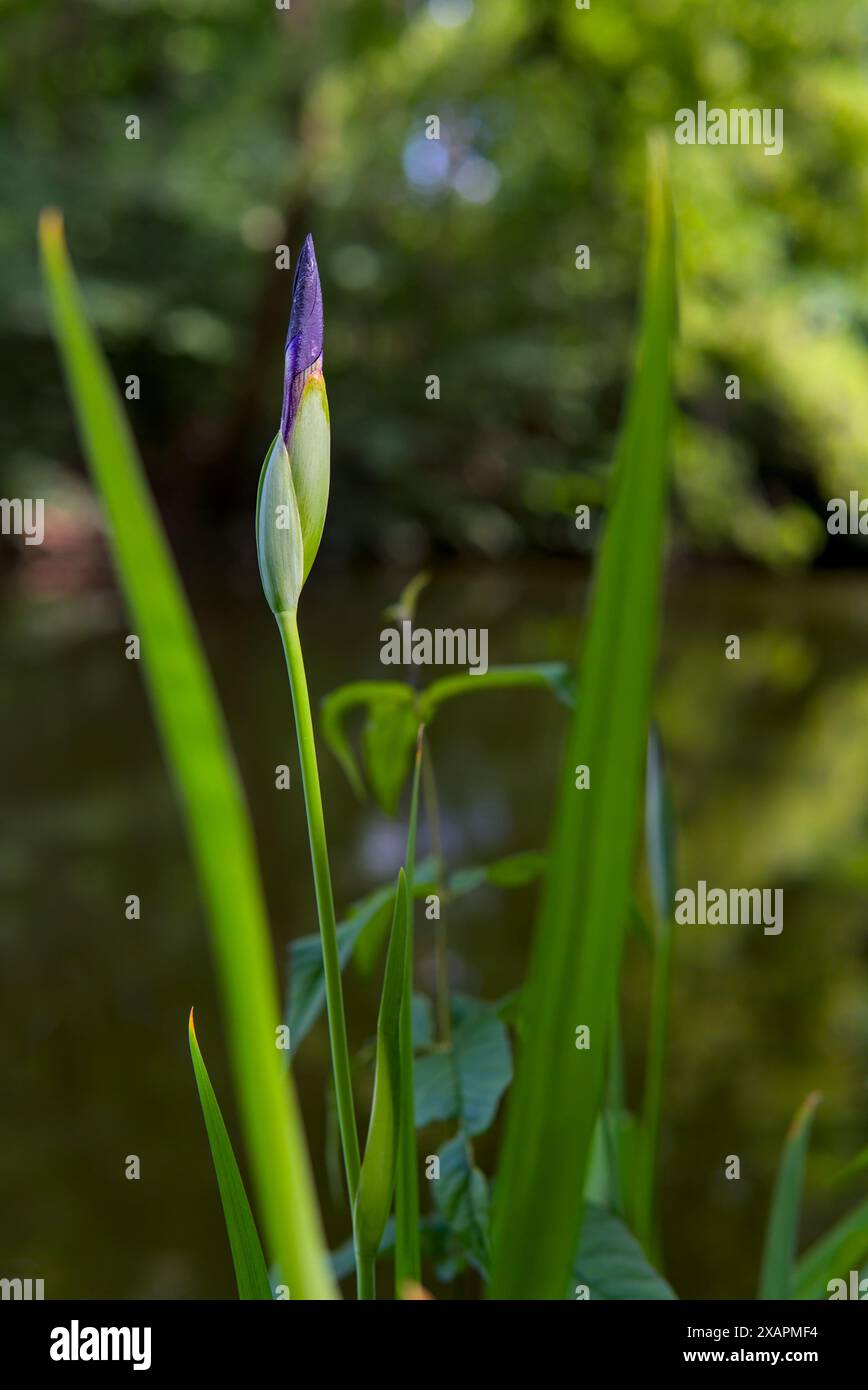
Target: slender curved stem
(441, 945)
(288, 624)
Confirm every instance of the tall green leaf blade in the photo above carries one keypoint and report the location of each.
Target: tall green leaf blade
(251, 1271)
(779, 1253)
(577, 949)
(189, 719)
(377, 1177)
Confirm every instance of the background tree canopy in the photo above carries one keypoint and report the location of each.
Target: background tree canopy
(453, 258)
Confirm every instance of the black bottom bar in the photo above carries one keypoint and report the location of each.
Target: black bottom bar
(248, 1338)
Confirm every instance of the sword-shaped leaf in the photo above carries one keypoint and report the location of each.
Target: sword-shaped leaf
(577, 949)
(251, 1272)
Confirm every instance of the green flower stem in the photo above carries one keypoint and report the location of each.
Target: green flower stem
(366, 1277)
(441, 946)
(288, 624)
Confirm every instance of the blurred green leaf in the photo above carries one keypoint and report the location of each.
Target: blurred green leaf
(842, 1248)
(395, 711)
(461, 1196)
(363, 930)
(576, 956)
(423, 1022)
(251, 1271)
(514, 871)
(508, 1008)
(553, 676)
(307, 978)
(370, 943)
(434, 1235)
(388, 738)
(852, 1169)
(638, 925)
(376, 695)
(612, 1263)
(404, 610)
(306, 998)
(465, 1080)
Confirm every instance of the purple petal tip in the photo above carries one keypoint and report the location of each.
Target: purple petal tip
(304, 340)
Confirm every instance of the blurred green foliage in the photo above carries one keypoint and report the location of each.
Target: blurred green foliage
(453, 258)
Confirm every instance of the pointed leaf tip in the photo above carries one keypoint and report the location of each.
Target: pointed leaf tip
(51, 229)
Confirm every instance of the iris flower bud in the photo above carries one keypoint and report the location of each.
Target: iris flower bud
(294, 483)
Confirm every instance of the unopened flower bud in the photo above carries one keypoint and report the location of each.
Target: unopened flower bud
(294, 484)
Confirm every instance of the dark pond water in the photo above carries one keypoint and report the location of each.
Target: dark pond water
(769, 760)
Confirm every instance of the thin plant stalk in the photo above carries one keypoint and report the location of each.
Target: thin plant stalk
(408, 1257)
(660, 852)
(366, 1278)
(441, 944)
(575, 963)
(288, 624)
(646, 1178)
(613, 1111)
